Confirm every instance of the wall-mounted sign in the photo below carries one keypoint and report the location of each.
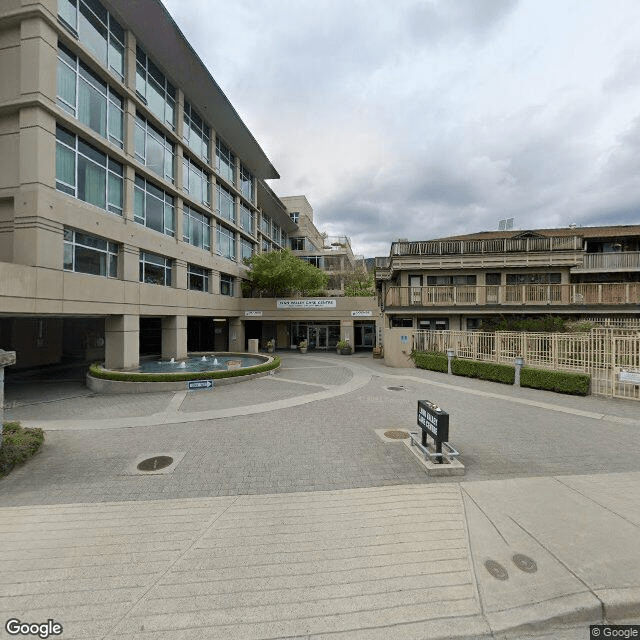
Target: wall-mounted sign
(404, 339)
(361, 314)
(307, 304)
(252, 314)
(199, 384)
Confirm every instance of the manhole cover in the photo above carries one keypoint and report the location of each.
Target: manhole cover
(396, 435)
(396, 388)
(155, 463)
(496, 570)
(525, 563)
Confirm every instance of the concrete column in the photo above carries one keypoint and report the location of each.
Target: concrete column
(6, 358)
(236, 334)
(346, 331)
(122, 341)
(174, 337)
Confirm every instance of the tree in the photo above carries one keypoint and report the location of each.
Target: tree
(280, 273)
(359, 283)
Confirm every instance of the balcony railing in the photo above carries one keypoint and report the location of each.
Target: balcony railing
(623, 261)
(526, 294)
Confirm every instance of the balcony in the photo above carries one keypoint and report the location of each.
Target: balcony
(603, 262)
(586, 294)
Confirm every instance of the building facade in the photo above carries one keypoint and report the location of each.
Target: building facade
(586, 273)
(130, 189)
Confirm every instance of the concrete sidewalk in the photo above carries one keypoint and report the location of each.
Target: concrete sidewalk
(404, 562)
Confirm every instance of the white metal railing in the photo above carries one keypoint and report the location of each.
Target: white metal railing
(609, 261)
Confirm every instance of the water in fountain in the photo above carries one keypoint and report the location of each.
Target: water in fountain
(204, 358)
(183, 365)
(172, 361)
(215, 362)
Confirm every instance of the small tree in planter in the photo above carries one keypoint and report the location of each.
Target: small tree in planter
(302, 347)
(343, 348)
(271, 345)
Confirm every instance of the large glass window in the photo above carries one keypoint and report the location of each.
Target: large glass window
(226, 243)
(196, 229)
(196, 133)
(295, 216)
(153, 207)
(197, 278)
(297, 244)
(276, 233)
(195, 182)
(89, 99)
(97, 30)
(158, 93)
(153, 149)
(246, 183)
(85, 253)
(155, 269)
(316, 261)
(225, 162)
(436, 281)
(265, 225)
(246, 219)
(226, 284)
(533, 278)
(246, 249)
(226, 204)
(86, 173)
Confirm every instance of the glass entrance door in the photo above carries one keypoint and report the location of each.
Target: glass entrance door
(318, 337)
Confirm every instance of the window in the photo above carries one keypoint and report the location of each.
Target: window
(449, 280)
(82, 94)
(533, 278)
(195, 132)
(153, 207)
(197, 278)
(158, 93)
(226, 243)
(196, 228)
(276, 233)
(246, 219)
(297, 244)
(86, 173)
(266, 246)
(226, 204)
(316, 261)
(265, 225)
(406, 323)
(225, 162)
(97, 30)
(433, 324)
(153, 149)
(493, 279)
(195, 182)
(155, 269)
(85, 253)
(246, 183)
(226, 284)
(246, 249)
(295, 216)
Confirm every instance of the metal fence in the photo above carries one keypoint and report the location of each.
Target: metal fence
(610, 356)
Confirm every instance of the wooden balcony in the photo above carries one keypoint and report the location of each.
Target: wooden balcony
(595, 262)
(579, 295)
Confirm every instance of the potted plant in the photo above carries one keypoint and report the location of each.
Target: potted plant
(302, 347)
(343, 347)
(271, 345)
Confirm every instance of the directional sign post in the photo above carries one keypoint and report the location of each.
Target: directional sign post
(199, 384)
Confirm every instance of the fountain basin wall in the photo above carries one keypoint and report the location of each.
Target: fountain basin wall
(108, 381)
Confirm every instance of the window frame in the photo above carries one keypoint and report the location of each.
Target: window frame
(192, 216)
(188, 168)
(111, 252)
(143, 127)
(198, 272)
(193, 121)
(227, 282)
(166, 264)
(150, 73)
(167, 201)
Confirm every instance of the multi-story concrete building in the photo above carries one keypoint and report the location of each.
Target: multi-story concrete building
(130, 189)
(588, 273)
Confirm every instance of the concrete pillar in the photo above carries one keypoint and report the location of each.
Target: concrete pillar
(174, 337)
(6, 358)
(122, 342)
(236, 334)
(346, 331)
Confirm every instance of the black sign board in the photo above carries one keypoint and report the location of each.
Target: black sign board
(199, 384)
(434, 422)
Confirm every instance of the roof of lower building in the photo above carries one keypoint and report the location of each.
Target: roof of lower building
(609, 231)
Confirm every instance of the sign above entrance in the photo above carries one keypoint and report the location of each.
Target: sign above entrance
(307, 304)
(361, 314)
(252, 314)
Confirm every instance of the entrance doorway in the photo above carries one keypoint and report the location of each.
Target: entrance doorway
(318, 337)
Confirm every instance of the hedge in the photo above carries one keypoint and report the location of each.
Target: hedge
(430, 361)
(559, 381)
(484, 370)
(18, 445)
(96, 371)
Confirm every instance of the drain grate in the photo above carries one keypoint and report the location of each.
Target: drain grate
(396, 389)
(525, 563)
(155, 463)
(496, 570)
(396, 435)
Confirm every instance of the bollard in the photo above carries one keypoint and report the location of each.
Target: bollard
(450, 354)
(519, 361)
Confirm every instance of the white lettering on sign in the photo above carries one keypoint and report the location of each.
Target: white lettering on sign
(306, 304)
(424, 418)
(362, 314)
(253, 314)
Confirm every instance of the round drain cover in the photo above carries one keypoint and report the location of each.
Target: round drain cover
(396, 388)
(496, 570)
(525, 563)
(396, 434)
(155, 463)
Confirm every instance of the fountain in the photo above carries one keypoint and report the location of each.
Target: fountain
(203, 359)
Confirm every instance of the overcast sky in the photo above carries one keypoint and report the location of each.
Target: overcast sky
(422, 119)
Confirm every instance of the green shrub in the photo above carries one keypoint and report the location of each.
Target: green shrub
(18, 445)
(430, 360)
(97, 371)
(559, 381)
(484, 370)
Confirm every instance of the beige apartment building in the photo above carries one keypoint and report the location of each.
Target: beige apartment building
(130, 192)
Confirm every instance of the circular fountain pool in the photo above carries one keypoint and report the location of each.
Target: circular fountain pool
(153, 375)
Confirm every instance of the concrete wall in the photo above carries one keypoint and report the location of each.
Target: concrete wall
(398, 343)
